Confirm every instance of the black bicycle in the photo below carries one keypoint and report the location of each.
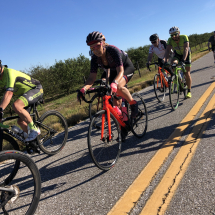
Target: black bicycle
(19, 191)
(53, 137)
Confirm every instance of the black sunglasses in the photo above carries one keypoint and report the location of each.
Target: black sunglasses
(174, 35)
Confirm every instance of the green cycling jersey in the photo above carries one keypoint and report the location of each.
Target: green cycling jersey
(17, 81)
(178, 47)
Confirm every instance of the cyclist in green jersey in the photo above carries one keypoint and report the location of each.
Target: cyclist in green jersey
(180, 45)
(29, 91)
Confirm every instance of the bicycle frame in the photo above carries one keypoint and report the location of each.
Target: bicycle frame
(176, 72)
(160, 72)
(34, 115)
(109, 109)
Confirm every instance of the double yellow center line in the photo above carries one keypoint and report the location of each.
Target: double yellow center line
(156, 203)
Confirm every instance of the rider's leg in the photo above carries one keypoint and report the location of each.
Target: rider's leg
(188, 77)
(25, 117)
(124, 92)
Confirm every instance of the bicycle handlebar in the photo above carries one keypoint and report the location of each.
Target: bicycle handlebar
(101, 90)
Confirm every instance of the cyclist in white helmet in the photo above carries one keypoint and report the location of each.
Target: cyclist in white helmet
(180, 45)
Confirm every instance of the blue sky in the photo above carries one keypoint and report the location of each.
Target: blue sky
(39, 32)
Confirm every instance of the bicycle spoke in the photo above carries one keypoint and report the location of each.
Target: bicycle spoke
(104, 152)
(159, 88)
(140, 123)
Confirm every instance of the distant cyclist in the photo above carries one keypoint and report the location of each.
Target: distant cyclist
(112, 59)
(158, 47)
(211, 42)
(180, 45)
(29, 91)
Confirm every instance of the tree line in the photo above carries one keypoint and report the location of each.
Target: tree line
(65, 77)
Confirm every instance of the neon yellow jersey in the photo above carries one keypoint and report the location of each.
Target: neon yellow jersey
(179, 48)
(17, 81)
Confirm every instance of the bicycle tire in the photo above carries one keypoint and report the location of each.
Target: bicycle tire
(94, 108)
(10, 144)
(103, 153)
(160, 91)
(174, 91)
(27, 182)
(54, 132)
(139, 124)
(183, 84)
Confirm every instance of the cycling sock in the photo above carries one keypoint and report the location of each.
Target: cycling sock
(132, 102)
(32, 126)
(188, 90)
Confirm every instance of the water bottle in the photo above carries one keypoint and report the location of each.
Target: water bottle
(124, 112)
(19, 131)
(16, 129)
(117, 110)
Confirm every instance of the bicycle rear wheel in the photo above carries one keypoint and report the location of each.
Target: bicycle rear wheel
(54, 132)
(26, 185)
(104, 153)
(140, 123)
(10, 144)
(160, 88)
(174, 91)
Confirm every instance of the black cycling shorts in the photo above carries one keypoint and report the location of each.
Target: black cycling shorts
(128, 74)
(32, 96)
(180, 58)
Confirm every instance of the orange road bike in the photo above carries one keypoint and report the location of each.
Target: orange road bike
(107, 130)
(176, 84)
(161, 83)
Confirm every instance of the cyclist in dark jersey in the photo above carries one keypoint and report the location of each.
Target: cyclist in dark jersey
(211, 42)
(112, 59)
(29, 91)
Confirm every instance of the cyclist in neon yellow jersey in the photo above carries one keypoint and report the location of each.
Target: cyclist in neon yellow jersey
(29, 91)
(180, 45)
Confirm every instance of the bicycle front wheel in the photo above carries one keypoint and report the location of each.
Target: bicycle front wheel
(54, 132)
(104, 152)
(174, 91)
(95, 106)
(26, 185)
(140, 122)
(10, 144)
(160, 88)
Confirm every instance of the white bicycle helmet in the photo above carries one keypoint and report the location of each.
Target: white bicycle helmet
(174, 30)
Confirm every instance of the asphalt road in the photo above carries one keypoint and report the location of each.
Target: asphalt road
(72, 184)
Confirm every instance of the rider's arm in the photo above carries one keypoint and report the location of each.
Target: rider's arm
(209, 44)
(167, 52)
(107, 76)
(89, 82)
(120, 73)
(149, 58)
(6, 99)
(186, 50)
